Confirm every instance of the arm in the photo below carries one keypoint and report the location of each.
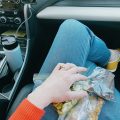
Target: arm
(55, 89)
(27, 111)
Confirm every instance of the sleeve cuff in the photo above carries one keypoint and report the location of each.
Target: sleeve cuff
(27, 111)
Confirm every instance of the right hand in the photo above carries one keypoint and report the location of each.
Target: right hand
(57, 86)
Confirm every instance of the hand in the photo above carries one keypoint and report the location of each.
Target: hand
(57, 86)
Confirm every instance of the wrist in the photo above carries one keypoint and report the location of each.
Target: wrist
(39, 99)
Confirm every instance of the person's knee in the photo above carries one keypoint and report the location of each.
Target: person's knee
(72, 23)
(71, 26)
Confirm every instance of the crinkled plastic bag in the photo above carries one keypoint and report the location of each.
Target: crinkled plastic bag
(87, 108)
(100, 86)
(100, 82)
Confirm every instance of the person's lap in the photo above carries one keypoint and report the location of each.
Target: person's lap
(110, 109)
(67, 49)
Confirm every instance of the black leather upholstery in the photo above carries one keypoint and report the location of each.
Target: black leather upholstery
(22, 94)
(50, 110)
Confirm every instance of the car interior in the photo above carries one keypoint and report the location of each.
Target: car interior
(36, 22)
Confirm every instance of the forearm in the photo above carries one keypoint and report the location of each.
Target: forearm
(40, 97)
(32, 107)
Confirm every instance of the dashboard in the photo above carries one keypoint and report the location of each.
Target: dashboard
(111, 14)
(11, 13)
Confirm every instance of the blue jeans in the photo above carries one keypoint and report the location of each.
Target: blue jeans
(76, 43)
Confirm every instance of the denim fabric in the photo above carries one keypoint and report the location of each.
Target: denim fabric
(76, 43)
(111, 109)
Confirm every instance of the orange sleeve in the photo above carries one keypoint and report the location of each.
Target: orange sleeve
(27, 111)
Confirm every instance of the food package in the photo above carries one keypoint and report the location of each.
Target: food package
(87, 108)
(100, 87)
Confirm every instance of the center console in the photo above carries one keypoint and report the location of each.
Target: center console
(11, 13)
(11, 17)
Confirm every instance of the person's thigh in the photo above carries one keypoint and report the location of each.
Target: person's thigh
(111, 110)
(50, 113)
(75, 43)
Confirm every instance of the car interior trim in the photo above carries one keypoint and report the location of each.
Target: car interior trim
(81, 13)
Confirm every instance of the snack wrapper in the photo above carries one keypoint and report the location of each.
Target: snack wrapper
(86, 109)
(100, 86)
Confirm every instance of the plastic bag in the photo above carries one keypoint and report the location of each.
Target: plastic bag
(100, 86)
(100, 82)
(87, 108)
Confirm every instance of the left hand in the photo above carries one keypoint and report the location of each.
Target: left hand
(57, 86)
